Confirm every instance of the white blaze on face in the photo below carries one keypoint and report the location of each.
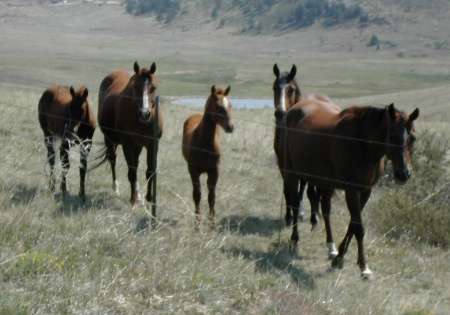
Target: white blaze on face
(226, 102)
(283, 99)
(145, 104)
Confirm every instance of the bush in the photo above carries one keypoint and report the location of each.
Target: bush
(374, 42)
(165, 10)
(419, 210)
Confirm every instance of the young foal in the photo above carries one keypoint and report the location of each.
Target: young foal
(344, 150)
(287, 93)
(129, 115)
(201, 148)
(65, 113)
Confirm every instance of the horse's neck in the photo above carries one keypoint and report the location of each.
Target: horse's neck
(208, 129)
(374, 144)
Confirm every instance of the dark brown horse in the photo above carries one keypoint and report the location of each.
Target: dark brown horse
(201, 147)
(129, 115)
(335, 149)
(287, 93)
(65, 113)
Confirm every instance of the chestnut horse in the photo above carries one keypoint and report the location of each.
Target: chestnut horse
(287, 93)
(335, 149)
(129, 115)
(66, 114)
(201, 147)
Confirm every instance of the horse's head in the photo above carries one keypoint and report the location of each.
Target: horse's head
(286, 91)
(144, 84)
(79, 106)
(218, 107)
(400, 140)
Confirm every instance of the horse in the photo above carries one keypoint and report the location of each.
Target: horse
(287, 93)
(201, 147)
(65, 113)
(335, 149)
(129, 115)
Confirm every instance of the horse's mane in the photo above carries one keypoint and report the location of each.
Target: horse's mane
(370, 113)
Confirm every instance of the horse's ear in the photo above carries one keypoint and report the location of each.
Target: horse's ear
(414, 115)
(136, 67)
(292, 73)
(85, 93)
(391, 111)
(213, 90)
(72, 91)
(153, 68)
(227, 91)
(276, 71)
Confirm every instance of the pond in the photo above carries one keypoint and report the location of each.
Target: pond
(238, 103)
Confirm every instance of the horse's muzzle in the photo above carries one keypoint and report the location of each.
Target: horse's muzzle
(144, 116)
(229, 128)
(401, 177)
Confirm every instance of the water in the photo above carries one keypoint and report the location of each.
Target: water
(236, 102)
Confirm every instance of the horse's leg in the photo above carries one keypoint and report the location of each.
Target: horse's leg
(213, 176)
(51, 161)
(301, 191)
(152, 155)
(196, 191)
(326, 209)
(132, 157)
(111, 155)
(314, 199)
(85, 148)
(65, 163)
(366, 273)
(292, 185)
(288, 217)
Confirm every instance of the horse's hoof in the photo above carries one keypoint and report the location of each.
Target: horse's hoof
(82, 198)
(332, 251)
(292, 247)
(313, 227)
(116, 187)
(367, 274)
(337, 262)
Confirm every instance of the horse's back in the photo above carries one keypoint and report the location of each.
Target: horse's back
(51, 108)
(109, 92)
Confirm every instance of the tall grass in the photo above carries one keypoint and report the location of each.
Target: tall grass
(420, 210)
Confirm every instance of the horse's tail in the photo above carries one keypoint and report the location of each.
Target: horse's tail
(101, 157)
(44, 101)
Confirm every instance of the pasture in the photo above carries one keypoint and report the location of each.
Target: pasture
(95, 258)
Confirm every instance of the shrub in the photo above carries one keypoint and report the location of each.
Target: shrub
(419, 210)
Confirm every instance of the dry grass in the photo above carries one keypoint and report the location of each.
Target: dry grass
(70, 258)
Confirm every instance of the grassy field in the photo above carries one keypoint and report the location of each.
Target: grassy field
(70, 258)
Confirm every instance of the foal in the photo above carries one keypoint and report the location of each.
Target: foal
(201, 148)
(65, 113)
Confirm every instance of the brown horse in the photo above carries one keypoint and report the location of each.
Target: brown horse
(129, 115)
(335, 149)
(65, 113)
(201, 147)
(287, 93)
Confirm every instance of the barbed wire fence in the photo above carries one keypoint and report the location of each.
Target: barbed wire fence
(245, 162)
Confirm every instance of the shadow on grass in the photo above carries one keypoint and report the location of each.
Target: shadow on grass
(73, 205)
(277, 261)
(21, 194)
(264, 226)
